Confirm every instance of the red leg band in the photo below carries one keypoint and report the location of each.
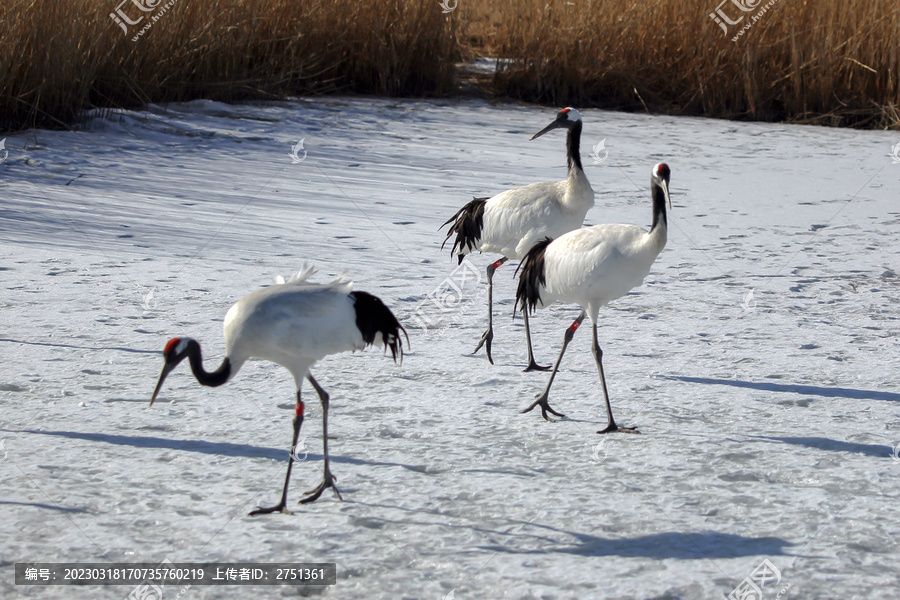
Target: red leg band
(574, 326)
(300, 407)
(497, 264)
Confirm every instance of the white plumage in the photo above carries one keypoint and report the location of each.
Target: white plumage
(515, 220)
(591, 267)
(293, 323)
(511, 222)
(595, 265)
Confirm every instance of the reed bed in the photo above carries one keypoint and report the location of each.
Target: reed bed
(833, 62)
(59, 58)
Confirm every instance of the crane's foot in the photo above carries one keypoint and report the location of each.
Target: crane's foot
(613, 427)
(533, 366)
(486, 338)
(545, 408)
(265, 511)
(327, 482)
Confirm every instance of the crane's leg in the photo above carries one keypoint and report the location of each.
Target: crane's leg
(328, 479)
(542, 399)
(611, 423)
(282, 506)
(488, 336)
(532, 365)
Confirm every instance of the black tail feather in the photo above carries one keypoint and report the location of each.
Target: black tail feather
(533, 276)
(373, 317)
(466, 224)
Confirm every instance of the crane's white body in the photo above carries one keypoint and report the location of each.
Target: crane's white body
(517, 219)
(512, 222)
(595, 265)
(591, 267)
(293, 324)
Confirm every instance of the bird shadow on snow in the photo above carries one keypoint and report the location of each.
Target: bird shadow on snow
(203, 447)
(821, 443)
(443, 522)
(686, 546)
(46, 506)
(806, 390)
(119, 348)
(674, 544)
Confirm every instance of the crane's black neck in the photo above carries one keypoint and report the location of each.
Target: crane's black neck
(659, 206)
(573, 145)
(213, 379)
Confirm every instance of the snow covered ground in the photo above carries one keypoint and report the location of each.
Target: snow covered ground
(760, 359)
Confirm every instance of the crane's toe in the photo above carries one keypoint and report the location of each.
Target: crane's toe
(265, 511)
(327, 482)
(533, 366)
(545, 408)
(486, 338)
(612, 428)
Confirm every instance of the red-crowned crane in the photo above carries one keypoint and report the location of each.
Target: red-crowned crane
(591, 267)
(294, 323)
(511, 222)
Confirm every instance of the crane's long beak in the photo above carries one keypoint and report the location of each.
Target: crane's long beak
(665, 187)
(167, 368)
(549, 127)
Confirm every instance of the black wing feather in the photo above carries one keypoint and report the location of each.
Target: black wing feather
(467, 224)
(373, 317)
(533, 276)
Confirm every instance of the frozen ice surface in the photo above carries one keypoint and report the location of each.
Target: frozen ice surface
(760, 358)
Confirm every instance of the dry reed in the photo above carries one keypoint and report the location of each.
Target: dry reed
(832, 62)
(58, 58)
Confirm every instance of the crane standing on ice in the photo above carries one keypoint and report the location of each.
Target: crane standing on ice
(294, 323)
(591, 267)
(511, 222)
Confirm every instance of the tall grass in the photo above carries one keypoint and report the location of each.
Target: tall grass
(834, 62)
(58, 58)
